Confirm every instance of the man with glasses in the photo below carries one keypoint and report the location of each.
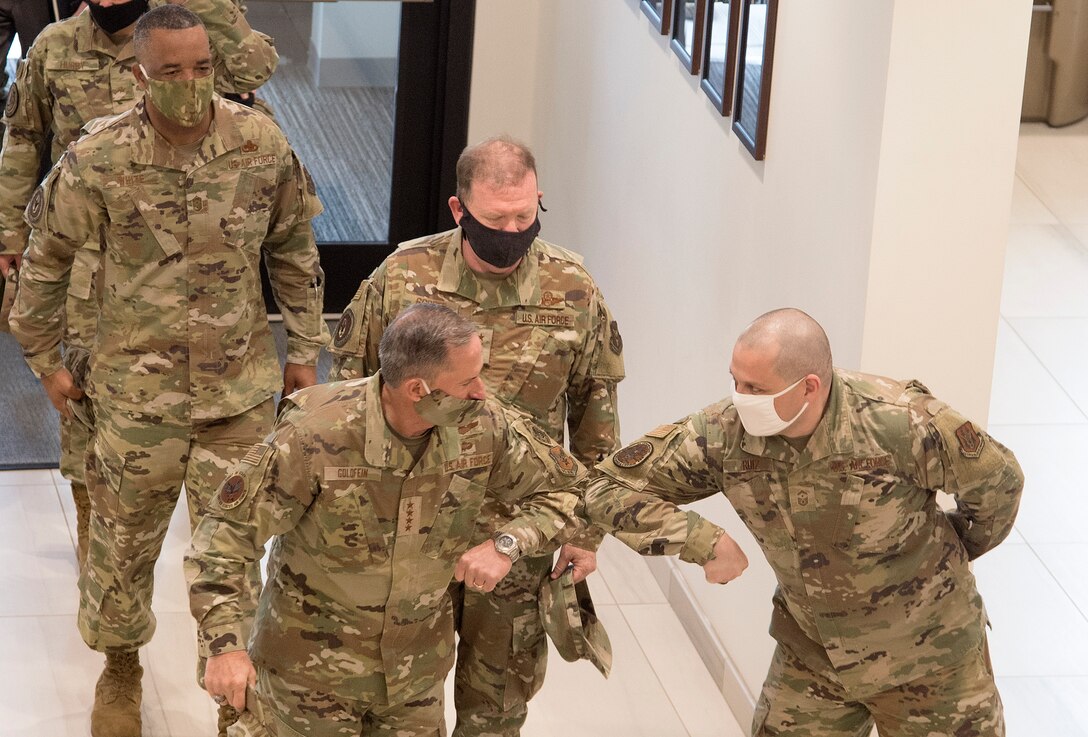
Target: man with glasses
(187, 191)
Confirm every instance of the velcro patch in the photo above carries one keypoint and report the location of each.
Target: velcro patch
(352, 473)
(544, 319)
(233, 491)
(13, 100)
(408, 518)
(465, 463)
(343, 328)
(36, 207)
(540, 435)
(971, 440)
(742, 465)
(634, 454)
(563, 461)
(256, 454)
(861, 464)
(661, 431)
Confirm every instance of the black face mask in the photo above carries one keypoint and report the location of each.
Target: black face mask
(116, 17)
(500, 248)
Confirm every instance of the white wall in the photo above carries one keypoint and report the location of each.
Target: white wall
(880, 209)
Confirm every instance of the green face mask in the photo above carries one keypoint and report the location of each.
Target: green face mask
(439, 408)
(183, 101)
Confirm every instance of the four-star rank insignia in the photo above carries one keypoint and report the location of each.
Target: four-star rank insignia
(633, 454)
(232, 492)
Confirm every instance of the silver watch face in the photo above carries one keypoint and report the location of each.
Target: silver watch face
(506, 543)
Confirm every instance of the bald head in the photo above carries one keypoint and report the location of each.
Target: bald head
(798, 342)
(500, 162)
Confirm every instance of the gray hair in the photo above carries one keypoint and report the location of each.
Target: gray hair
(417, 343)
(167, 17)
(501, 161)
(803, 347)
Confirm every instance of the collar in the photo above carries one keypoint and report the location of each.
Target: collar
(832, 436)
(381, 448)
(90, 38)
(522, 287)
(222, 137)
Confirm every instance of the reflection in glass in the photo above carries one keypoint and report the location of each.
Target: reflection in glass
(659, 13)
(752, 72)
(333, 96)
(719, 43)
(687, 32)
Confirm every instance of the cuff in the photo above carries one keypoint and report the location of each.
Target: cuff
(45, 364)
(588, 539)
(226, 638)
(304, 352)
(703, 535)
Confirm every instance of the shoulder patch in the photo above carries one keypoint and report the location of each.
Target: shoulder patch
(615, 340)
(13, 100)
(661, 432)
(971, 440)
(633, 455)
(563, 461)
(343, 328)
(36, 206)
(541, 436)
(256, 454)
(232, 492)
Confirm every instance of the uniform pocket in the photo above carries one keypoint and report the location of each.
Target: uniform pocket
(454, 525)
(351, 528)
(879, 515)
(528, 659)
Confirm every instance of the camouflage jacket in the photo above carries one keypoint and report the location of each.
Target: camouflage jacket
(551, 347)
(75, 73)
(356, 601)
(182, 329)
(873, 579)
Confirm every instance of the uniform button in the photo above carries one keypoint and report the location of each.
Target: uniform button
(802, 498)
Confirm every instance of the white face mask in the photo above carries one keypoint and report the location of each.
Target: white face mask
(758, 415)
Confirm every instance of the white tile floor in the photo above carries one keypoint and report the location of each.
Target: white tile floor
(1035, 584)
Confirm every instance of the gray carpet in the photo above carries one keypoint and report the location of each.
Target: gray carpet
(30, 427)
(344, 136)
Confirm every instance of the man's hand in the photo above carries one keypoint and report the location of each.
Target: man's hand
(482, 567)
(228, 675)
(60, 387)
(296, 376)
(729, 561)
(584, 562)
(7, 259)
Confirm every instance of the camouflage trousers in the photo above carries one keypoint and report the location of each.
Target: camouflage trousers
(140, 465)
(959, 700)
(281, 709)
(81, 323)
(502, 653)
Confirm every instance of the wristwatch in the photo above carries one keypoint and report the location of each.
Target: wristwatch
(507, 544)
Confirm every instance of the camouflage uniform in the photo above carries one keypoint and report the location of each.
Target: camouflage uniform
(354, 630)
(553, 351)
(73, 74)
(876, 607)
(183, 364)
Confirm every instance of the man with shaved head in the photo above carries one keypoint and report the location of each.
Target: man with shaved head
(835, 474)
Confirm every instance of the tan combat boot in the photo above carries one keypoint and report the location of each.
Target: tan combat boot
(117, 696)
(228, 715)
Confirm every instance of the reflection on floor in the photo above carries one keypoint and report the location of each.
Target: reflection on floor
(1035, 587)
(1035, 584)
(344, 135)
